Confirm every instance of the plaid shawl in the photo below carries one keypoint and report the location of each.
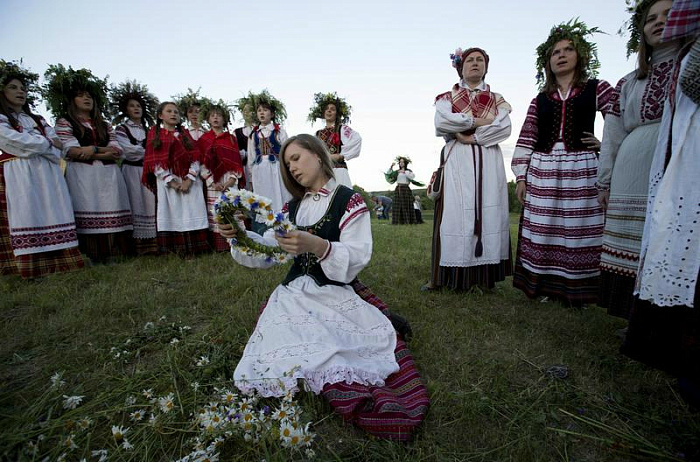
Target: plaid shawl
(478, 103)
(220, 154)
(683, 20)
(172, 155)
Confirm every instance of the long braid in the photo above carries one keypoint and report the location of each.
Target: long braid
(185, 139)
(157, 143)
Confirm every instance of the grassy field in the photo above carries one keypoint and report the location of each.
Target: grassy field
(485, 357)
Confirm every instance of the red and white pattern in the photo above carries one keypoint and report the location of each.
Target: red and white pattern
(562, 224)
(40, 221)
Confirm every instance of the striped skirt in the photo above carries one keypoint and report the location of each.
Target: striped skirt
(184, 244)
(561, 228)
(8, 264)
(403, 213)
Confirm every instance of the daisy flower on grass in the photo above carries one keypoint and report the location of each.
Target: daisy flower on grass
(137, 415)
(57, 380)
(101, 453)
(166, 403)
(71, 402)
(69, 442)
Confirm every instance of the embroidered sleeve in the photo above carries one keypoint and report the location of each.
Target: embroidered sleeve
(525, 144)
(193, 173)
(352, 143)
(345, 259)
(21, 144)
(64, 130)
(613, 134)
(604, 96)
(113, 143)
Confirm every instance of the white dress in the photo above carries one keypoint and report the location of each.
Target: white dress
(321, 334)
(177, 211)
(670, 255)
(459, 188)
(143, 201)
(265, 174)
(97, 189)
(39, 207)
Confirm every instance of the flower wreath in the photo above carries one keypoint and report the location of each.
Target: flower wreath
(64, 84)
(14, 70)
(576, 31)
(322, 100)
(634, 25)
(233, 201)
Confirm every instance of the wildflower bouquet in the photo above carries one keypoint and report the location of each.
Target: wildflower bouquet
(234, 201)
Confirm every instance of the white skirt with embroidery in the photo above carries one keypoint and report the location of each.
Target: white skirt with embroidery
(322, 335)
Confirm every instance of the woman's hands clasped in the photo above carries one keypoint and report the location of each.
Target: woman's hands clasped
(297, 242)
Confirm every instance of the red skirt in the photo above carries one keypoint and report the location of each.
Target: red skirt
(7, 256)
(36, 265)
(184, 244)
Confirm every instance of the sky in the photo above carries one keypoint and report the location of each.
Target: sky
(387, 59)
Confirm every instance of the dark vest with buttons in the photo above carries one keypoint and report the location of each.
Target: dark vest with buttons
(328, 227)
(580, 117)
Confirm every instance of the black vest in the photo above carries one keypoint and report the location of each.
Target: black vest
(580, 117)
(241, 139)
(328, 227)
(87, 138)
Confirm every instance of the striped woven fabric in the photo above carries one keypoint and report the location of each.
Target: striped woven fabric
(35, 265)
(403, 213)
(7, 256)
(100, 248)
(184, 244)
(392, 411)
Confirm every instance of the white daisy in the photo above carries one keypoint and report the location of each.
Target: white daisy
(71, 402)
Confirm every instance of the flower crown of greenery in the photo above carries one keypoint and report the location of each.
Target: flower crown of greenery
(322, 100)
(189, 99)
(634, 26)
(121, 94)
(10, 70)
(575, 31)
(64, 84)
(245, 107)
(253, 100)
(222, 106)
(407, 159)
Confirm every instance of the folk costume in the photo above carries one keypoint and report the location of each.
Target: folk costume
(97, 187)
(403, 213)
(561, 227)
(181, 218)
(131, 137)
(184, 103)
(339, 138)
(471, 217)
(316, 327)
(34, 200)
(629, 140)
(664, 326)
(221, 163)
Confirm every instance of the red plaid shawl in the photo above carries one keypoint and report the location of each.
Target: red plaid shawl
(220, 154)
(172, 154)
(480, 103)
(683, 20)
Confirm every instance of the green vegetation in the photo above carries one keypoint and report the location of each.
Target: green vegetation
(485, 357)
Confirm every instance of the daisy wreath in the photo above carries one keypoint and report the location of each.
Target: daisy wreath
(234, 201)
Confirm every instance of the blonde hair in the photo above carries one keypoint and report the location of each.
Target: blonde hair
(314, 146)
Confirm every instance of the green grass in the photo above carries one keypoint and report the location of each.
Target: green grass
(483, 356)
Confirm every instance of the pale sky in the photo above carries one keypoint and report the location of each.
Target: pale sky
(388, 59)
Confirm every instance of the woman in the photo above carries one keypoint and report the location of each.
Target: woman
(171, 169)
(96, 184)
(221, 164)
(264, 144)
(40, 224)
(629, 139)
(403, 197)
(315, 327)
(134, 106)
(471, 216)
(555, 163)
(190, 104)
(342, 141)
(664, 326)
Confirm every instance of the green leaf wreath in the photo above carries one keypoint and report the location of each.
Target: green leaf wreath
(322, 100)
(65, 83)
